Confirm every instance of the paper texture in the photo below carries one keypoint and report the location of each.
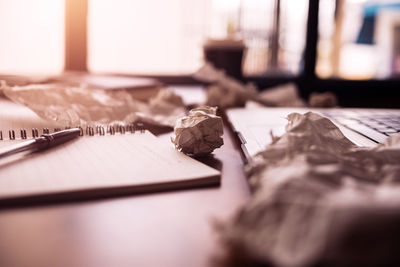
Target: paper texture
(165, 108)
(102, 162)
(71, 106)
(199, 133)
(322, 100)
(285, 95)
(225, 91)
(94, 165)
(315, 192)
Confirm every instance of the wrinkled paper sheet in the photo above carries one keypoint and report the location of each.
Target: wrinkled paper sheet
(72, 106)
(199, 133)
(318, 198)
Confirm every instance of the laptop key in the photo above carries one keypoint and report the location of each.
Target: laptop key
(367, 132)
(390, 131)
(370, 133)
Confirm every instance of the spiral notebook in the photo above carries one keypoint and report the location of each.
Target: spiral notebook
(104, 162)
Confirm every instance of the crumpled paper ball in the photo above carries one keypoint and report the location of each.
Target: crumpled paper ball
(323, 100)
(225, 91)
(199, 133)
(230, 94)
(283, 95)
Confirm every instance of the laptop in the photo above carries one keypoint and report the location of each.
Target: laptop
(364, 127)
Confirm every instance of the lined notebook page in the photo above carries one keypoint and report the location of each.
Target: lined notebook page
(100, 162)
(93, 162)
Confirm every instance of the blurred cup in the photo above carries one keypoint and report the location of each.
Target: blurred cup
(225, 54)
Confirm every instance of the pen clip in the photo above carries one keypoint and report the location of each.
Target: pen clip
(57, 138)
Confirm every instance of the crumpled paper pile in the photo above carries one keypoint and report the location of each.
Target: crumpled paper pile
(319, 199)
(71, 106)
(285, 95)
(225, 91)
(199, 133)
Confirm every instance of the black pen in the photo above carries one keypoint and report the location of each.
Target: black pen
(43, 142)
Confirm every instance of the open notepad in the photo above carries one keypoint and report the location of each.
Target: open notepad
(92, 166)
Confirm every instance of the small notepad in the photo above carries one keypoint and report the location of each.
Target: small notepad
(101, 165)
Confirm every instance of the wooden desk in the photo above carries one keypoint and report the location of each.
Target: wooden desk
(163, 229)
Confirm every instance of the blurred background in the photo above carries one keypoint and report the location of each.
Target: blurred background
(150, 37)
(357, 39)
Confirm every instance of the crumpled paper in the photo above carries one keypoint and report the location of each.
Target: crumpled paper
(71, 106)
(165, 108)
(225, 91)
(319, 199)
(285, 95)
(322, 100)
(199, 133)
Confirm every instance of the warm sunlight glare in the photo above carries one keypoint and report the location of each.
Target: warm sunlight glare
(31, 36)
(152, 36)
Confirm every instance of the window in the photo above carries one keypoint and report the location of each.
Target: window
(153, 36)
(166, 37)
(360, 40)
(150, 37)
(32, 36)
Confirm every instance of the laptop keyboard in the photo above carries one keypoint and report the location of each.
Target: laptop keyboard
(374, 125)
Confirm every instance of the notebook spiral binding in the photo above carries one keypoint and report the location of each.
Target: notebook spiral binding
(89, 130)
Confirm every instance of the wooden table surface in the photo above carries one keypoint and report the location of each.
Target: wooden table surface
(162, 229)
